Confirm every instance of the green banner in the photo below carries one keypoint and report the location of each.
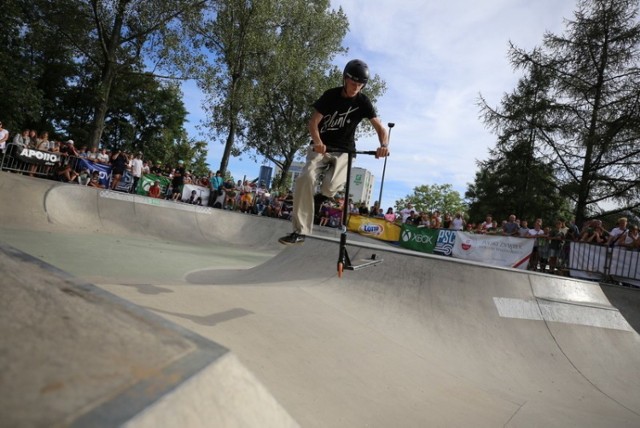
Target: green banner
(418, 238)
(147, 180)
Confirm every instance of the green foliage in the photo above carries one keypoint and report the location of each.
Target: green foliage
(515, 183)
(20, 68)
(57, 49)
(429, 198)
(270, 60)
(578, 107)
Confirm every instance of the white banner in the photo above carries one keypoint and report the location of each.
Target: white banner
(201, 192)
(495, 250)
(625, 266)
(587, 260)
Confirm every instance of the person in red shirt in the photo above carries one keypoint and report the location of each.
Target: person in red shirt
(154, 190)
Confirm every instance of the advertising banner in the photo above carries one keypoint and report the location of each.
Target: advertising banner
(418, 238)
(147, 181)
(125, 183)
(103, 170)
(445, 242)
(38, 157)
(377, 228)
(503, 251)
(201, 192)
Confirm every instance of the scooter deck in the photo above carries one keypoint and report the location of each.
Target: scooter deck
(363, 263)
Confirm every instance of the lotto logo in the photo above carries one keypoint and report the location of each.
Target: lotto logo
(372, 229)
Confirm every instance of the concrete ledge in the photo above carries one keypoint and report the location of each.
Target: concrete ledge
(72, 354)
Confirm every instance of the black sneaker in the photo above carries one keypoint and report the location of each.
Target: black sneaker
(293, 238)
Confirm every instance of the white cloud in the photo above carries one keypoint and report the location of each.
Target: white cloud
(436, 58)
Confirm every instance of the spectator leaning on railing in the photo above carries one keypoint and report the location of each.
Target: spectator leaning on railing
(617, 232)
(594, 235)
(632, 239)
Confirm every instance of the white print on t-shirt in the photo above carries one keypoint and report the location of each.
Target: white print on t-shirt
(336, 121)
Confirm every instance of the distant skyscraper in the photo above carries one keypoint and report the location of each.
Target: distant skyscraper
(361, 186)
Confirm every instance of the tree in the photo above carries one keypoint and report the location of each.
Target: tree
(230, 32)
(271, 59)
(26, 58)
(145, 115)
(429, 198)
(290, 76)
(515, 180)
(586, 127)
(115, 37)
(514, 183)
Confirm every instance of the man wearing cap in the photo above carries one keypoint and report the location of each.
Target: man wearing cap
(157, 168)
(68, 149)
(178, 181)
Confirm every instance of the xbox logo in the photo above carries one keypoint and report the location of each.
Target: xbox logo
(407, 236)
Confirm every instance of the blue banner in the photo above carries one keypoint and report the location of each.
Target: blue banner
(103, 170)
(125, 183)
(444, 244)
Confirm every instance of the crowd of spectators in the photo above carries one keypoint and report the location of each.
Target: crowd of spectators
(550, 246)
(244, 196)
(551, 243)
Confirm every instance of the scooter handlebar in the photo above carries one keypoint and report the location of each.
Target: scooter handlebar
(356, 152)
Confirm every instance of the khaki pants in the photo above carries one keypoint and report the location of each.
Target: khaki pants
(334, 168)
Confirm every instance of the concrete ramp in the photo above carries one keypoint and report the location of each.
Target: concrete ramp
(417, 340)
(554, 349)
(38, 204)
(73, 355)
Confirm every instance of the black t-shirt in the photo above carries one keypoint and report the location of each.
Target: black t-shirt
(178, 176)
(119, 163)
(341, 117)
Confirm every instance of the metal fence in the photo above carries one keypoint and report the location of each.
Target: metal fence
(36, 163)
(577, 259)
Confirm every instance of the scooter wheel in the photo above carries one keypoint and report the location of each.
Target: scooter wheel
(340, 269)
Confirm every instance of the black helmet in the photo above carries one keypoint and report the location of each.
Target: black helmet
(357, 70)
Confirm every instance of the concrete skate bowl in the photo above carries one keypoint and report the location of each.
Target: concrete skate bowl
(415, 341)
(495, 347)
(43, 204)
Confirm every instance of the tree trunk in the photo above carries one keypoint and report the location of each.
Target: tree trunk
(110, 43)
(224, 163)
(102, 105)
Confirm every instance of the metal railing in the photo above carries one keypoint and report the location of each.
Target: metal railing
(578, 259)
(36, 163)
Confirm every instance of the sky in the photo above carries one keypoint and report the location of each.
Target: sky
(436, 58)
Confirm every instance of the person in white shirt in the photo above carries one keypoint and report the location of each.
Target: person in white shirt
(103, 157)
(406, 212)
(136, 171)
(535, 233)
(616, 232)
(4, 136)
(458, 222)
(487, 225)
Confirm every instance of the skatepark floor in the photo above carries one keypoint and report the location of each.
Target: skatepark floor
(414, 341)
